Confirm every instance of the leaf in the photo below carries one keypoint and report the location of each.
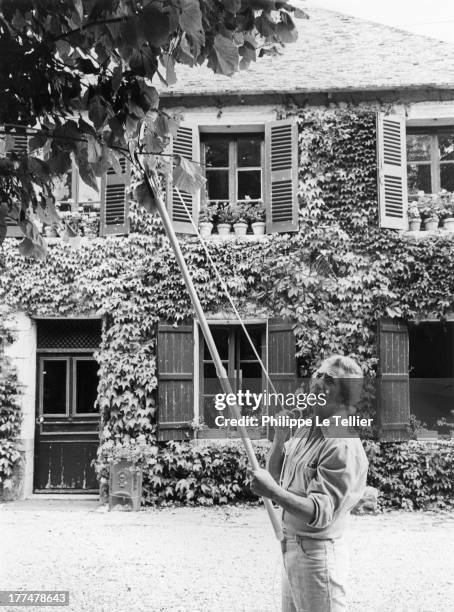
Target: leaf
(145, 198)
(97, 112)
(28, 248)
(191, 22)
(169, 65)
(37, 141)
(227, 55)
(187, 176)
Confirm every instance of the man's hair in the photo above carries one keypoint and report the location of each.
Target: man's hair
(344, 368)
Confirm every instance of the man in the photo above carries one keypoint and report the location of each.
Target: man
(321, 473)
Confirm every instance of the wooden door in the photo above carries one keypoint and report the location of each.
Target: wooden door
(67, 422)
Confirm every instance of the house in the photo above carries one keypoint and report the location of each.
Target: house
(248, 134)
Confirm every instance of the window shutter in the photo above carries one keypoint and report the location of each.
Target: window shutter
(115, 200)
(392, 171)
(19, 146)
(394, 393)
(187, 144)
(281, 356)
(175, 381)
(281, 176)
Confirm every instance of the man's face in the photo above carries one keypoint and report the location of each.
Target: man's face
(328, 384)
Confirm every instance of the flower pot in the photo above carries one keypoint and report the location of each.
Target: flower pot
(223, 229)
(240, 228)
(51, 232)
(258, 228)
(414, 224)
(205, 227)
(448, 224)
(431, 224)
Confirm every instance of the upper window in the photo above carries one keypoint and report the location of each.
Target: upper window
(233, 166)
(430, 160)
(72, 192)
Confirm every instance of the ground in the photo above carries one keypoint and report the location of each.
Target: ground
(211, 560)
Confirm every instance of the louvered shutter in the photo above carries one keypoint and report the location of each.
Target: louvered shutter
(281, 356)
(187, 144)
(115, 200)
(19, 146)
(393, 384)
(175, 381)
(281, 176)
(392, 171)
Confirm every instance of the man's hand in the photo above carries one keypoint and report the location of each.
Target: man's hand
(262, 483)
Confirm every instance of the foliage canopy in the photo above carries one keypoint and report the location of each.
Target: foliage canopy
(81, 76)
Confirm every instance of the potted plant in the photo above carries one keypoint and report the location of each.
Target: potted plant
(206, 221)
(224, 220)
(257, 217)
(71, 222)
(428, 206)
(239, 218)
(447, 214)
(51, 231)
(414, 217)
(126, 460)
(90, 225)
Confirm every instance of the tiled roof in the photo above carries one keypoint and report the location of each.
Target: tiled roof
(334, 51)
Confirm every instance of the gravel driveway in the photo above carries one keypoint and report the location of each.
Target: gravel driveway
(211, 560)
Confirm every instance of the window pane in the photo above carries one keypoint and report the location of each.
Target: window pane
(54, 386)
(62, 189)
(88, 195)
(86, 385)
(210, 412)
(246, 351)
(418, 147)
(249, 151)
(447, 176)
(217, 184)
(418, 177)
(446, 144)
(250, 184)
(217, 153)
(221, 340)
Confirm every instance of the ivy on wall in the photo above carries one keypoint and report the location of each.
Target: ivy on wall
(134, 282)
(10, 413)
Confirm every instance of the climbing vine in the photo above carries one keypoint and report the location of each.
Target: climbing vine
(10, 412)
(133, 283)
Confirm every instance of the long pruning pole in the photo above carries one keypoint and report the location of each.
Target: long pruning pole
(220, 370)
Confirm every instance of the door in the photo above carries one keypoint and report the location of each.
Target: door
(67, 422)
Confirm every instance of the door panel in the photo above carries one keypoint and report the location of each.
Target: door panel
(67, 423)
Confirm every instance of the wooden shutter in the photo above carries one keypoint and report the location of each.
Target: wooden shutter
(187, 144)
(393, 385)
(115, 200)
(281, 176)
(19, 146)
(281, 357)
(175, 381)
(392, 171)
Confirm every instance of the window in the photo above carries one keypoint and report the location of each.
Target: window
(233, 166)
(68, 385)
(430, 160)
(239, 360)
(187, 381)
(72, 192)
(252, 162)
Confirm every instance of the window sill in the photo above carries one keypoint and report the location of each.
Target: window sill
(423, 234)
(231, 237)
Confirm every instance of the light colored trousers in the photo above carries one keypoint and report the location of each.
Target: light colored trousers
(315, 575)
